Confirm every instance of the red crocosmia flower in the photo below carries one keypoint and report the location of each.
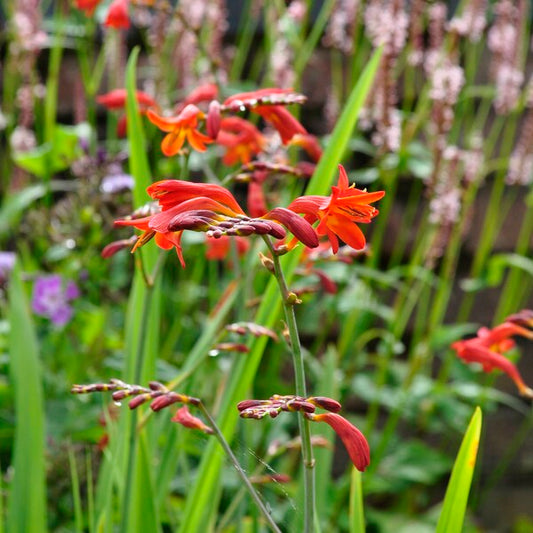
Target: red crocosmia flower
(87, 6)
(255, 200)
(309, 143)
(170, 193)
(181, 128)
(260, 102)
(487, 349)
(116, 100)
(251, 99)
(203, 93)
(184, 417)
(282, 120)
(219, 249)
(337, 213)
(117, 15)
(242, 140)
(353, 440)
(212, 209)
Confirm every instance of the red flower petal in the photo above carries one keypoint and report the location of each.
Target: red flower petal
(353, 440)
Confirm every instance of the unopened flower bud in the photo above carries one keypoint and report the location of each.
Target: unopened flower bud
(292, 299)
(247, 404)
(213, 119)
(267, 262)
(232, 347)
(325, 403)
(184, 417)
(167, 399)
(139, 400)
(113, 247)
(300, 405)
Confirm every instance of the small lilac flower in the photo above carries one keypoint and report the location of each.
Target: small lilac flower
(116, 181)
(7, 262)
(51, 297)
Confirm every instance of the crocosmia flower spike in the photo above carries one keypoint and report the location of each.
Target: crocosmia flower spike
(488, 347)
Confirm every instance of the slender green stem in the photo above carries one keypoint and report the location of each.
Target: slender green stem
(288, 299)
(247, 483)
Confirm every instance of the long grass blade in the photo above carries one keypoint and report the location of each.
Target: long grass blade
(141, 345)
(76, 497)
(454, 507)
(27, 499)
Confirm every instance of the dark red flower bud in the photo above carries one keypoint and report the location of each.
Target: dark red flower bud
(325, 403)
(139, 400)
(167, 399)
(113, 247)
(213, 119)
(296, 224)
(247, 404)
(300, 405)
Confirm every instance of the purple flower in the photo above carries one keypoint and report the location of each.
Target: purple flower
(7, 262)
(51, 297)
(116, 180)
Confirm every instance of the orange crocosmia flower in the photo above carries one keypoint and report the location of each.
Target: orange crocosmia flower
(117, 15)
(353, 440)
(242, 140)
(338, 213)
(170, 193)
(87, 6)
(181, 128)
(116, 100)
(487, 349)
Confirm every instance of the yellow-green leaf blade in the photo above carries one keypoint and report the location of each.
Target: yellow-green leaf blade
(454, 507)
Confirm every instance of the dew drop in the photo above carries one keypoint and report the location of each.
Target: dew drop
(118, 404)
(213, 353)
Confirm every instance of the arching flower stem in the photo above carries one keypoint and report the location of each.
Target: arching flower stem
(242, 474)
(289, 300)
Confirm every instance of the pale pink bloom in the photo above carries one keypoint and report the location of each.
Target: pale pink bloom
(341, 25)
(509, 81)
(472, 21)
(22, 139)
(447, 80)
(445, 206)
(520, 171)
(297, 10)
(389, 133)
(386, 25)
